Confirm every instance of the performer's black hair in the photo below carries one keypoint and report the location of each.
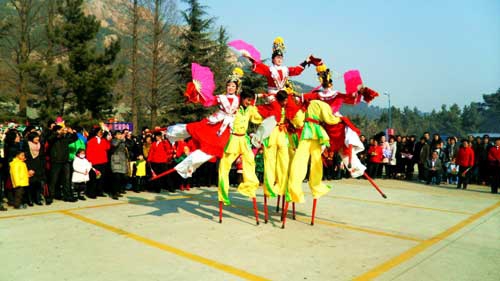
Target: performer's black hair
(246, 95)
(281, 95)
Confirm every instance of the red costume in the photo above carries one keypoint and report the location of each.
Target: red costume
(211, 134)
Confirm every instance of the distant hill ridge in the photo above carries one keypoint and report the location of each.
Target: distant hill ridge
(114, 18)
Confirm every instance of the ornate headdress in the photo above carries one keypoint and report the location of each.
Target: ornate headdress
(324, 75)
(278, 47)
(235, 77)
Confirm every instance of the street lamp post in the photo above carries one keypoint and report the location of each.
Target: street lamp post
(389, 101)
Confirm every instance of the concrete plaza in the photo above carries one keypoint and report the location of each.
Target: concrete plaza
(420, 232)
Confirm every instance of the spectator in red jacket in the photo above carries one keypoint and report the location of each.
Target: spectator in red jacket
(375, 160)
(494, 160)
(465, 161)
(160, 156)
(97, 154)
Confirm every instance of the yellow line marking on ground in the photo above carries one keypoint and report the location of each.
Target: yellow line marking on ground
(323, 222)
(194, 197)
(403, 205)
(133, 201)
(405, 256)
(442, 190)
(193, 257)
(397, 204)
(356, 228)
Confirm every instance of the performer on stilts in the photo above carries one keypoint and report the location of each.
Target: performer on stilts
(274, 138)
(239, 144)
(313, 140)
(343, 136)
(211, 134)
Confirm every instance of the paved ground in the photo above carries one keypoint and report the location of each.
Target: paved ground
(419, 233)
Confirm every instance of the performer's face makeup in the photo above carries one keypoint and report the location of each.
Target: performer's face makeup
(231, 88)
(278, 60)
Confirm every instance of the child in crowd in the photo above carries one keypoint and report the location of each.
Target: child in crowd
(19, 175)
(184, 182)
(81, 169)
(452, 171)
(139, 174)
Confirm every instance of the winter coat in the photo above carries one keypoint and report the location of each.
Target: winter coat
(77, 145)
(394, 149)
(97, 151)
(160, 152)
(465, 157)
(81, 169)
(438, 165)
(36, 164)
(59, 147)
(19, 173)
(119, 157)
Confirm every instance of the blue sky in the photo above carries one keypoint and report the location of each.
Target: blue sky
(424, 53)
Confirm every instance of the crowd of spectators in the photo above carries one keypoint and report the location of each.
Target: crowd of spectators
(434, 160)
(69, 163)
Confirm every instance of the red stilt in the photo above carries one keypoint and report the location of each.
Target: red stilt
(283, 217)
(293, 210)
(282, 207)
(314, 210)
(278, 204)
(155, 177)
(256, 210)
(220, 211)
(265, 209)
(374, 184)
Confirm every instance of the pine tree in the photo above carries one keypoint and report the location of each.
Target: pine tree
(46, 83)
(219, 62)
(89, 75)
(195, 45)
(19, 28)
(491, 107)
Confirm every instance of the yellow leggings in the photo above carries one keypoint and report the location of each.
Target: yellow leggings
(276, 163)
(250, 181)
(298, 171)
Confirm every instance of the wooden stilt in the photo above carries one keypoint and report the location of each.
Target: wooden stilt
(283, 217)
(220, 211)
(278, 204)
(282, 207)
(293, 210)
(375, 185)
(265, 209)
(256, 210)
(155, 177)
(314, 210)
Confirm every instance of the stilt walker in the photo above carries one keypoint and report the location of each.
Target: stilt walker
(344, 136)
(312, 139)
(274, 138)
(212, 133)
(239, 144)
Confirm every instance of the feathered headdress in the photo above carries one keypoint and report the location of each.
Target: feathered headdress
(235, 77)
(278, 47)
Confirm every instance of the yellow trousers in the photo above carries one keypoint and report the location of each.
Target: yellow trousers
(237, 145)
(276, 163)
(298, 171)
